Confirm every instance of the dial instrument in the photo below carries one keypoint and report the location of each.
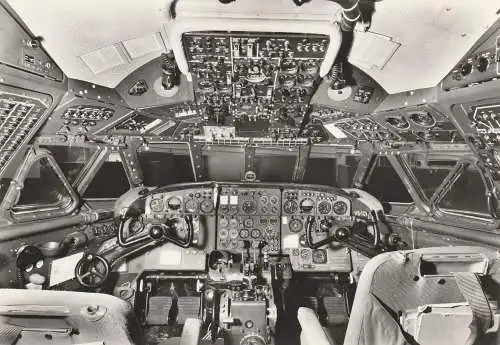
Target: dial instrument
(249, 206)
(191, 206)
(207, 206)
(255, 233)
(340, 207)
(423, 118)
(319, 256)
(244, 233)
(290, 206)
(295, 225)
(307, 205)
(398, 122)
(135, 226)
(156, 205)
(324, 207)
(174, 203)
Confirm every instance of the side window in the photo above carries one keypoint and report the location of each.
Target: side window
(43, 189)
(467, 194)
(386, 185)
(110, 182)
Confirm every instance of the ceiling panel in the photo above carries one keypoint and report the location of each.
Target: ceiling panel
(434, 34)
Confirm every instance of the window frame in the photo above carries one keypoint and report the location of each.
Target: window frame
(446, 186)
(430, 205)
(11, 198)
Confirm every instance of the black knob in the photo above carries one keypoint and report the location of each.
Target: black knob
(341, 234)
(156, 232)
(466, 69)
(482, 64)
(325, 225)
(393, 240)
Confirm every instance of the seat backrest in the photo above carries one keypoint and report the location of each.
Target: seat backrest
(65, 317)
(395, 282)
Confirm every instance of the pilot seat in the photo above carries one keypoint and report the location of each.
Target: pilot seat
(426, 296)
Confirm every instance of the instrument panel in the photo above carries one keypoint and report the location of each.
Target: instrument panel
(249, 218)
(258, 83)
(267, 220)
(301, 206)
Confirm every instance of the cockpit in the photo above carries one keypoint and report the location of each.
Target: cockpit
(234, 172)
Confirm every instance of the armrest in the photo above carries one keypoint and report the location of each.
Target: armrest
(312, 331)
(191, 332)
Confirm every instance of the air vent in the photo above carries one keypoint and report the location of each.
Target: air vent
(141, 46)
(103, 59)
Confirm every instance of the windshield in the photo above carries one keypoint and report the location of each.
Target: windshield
(386, 185)
(42, 188)
(467, 194)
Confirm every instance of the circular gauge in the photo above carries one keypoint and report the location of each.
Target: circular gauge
(290, 206)
(274, 199)
(248, 222)
(340, 207)
(224, 222)
(206, 86)
(305, 254)
(289, 67)
(305, 80)
(135, 226)
(255, 233)
(288, 82)
(319, 256)
(423, 118)
(174, 203)
(269, 231)
(249, 206)
(310, 67)
(295, 225)
(306, 205)
(233, 223)
(156, 205)
(398, 122)
(233, 233)
(244, 233)
(223, 87)
(223, 233)
(191, 205)
(207, 206)
(324, 207)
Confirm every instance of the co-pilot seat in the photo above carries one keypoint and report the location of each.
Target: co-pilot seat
(426, 296)
(65, 317)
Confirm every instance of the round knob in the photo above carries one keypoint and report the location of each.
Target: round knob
(342, 234)
(156, 232)
(482, 64)
(394, 239)
(325, 225)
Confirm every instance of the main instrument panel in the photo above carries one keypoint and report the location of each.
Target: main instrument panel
(259, 220)
(260, 83)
